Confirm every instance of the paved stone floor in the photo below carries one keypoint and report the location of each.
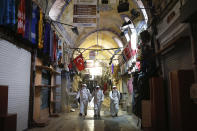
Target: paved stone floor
(73, 122)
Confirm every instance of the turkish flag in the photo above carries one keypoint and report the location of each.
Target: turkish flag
(79, 62)
(127, 51)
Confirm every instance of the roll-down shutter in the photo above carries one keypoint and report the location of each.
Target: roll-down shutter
(15, 72)
(178, 58)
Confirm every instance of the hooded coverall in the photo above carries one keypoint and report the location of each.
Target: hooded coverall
(114, 101)
(85, 96)
(98, 99)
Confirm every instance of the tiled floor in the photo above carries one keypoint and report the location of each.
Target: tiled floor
(72, 122)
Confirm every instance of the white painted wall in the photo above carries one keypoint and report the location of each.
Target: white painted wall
(15, 72)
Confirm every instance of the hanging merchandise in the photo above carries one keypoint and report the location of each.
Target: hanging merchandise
(28, 12)
(59, 51)
(40, 31)
(79, 62)
(55, 40)
(7, 12)
(130, 85)
(138, 65)
(47, 38)
(104, 87)
(51, 44)
(34, 24)
(70, 66)
(112, 68)
(21, 18)
(139, 54)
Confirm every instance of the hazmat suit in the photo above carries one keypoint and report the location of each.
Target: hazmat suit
(85, 96)
(114, 101)
(98, 99)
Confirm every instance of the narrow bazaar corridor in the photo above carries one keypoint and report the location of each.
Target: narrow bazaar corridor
(98, 65)
(74, 122)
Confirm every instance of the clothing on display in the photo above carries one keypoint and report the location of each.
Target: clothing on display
(7, 12)
(21, 18)
(40, 30)
(47, 38)
(34, 24)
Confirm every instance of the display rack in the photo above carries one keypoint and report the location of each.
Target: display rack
(41, 116)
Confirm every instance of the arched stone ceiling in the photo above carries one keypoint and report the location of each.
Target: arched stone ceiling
(108, 26)
(108, 19)
(105, 41)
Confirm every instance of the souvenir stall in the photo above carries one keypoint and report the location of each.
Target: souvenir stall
(23, 24)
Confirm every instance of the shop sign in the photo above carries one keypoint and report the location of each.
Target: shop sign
(85, 13)
(92, 55)
(89, 64)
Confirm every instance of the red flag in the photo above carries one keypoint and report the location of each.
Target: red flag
(79, 62)
(127, 51)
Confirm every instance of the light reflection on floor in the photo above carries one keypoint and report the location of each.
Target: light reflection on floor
(73, 122)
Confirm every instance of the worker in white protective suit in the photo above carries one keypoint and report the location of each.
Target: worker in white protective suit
(98, 99)
(114, 101)
(84, 96)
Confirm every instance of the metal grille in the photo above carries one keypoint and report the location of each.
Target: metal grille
(178, 58)
(15, 66)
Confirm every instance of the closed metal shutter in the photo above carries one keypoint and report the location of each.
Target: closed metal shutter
(15, 66)
(178, 58)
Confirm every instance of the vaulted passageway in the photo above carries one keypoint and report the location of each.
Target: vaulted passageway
(133, 62)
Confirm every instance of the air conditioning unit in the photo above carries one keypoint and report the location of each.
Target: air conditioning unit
(123, 6)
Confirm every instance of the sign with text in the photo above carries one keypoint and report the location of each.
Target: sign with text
(85, 13)
(92, 55)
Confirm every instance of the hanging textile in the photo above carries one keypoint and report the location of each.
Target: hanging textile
(34, 23)
(7, 12)
(55, 46)
(105, 87)
(112, 68)
(51, 44)
(130, 85)
(40, 30)
(70, 65)
(59, 52)
(21, 18)
(47, 38)
(28, 12)
(2, 11)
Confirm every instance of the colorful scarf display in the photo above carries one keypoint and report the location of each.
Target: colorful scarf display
(21, 18)
(34, 24)
(40, 31)
(47, 38)
(7, 12)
